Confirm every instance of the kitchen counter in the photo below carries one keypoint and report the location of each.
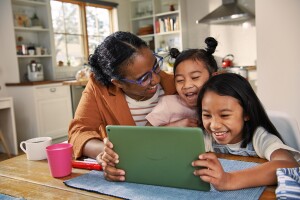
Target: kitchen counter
(64, 82)
(33, 83)
(75, 83)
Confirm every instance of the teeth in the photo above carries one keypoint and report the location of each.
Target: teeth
(190, 94)
(220, 133)
(153, 87)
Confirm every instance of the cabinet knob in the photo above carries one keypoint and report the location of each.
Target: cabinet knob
(52, 89)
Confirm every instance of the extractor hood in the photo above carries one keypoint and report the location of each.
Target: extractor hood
(228, 12)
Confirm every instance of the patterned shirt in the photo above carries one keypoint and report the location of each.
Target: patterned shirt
(235, 149)
(139, 109)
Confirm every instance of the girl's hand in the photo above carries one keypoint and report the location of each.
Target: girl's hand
(188, 122)
(108, 159)
(212, 171)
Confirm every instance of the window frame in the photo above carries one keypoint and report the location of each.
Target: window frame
(83, 21)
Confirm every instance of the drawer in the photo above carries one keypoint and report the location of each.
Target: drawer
(50, 92)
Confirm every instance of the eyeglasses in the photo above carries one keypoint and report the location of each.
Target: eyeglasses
(146, 79)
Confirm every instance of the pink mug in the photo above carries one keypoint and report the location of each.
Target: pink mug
(60, 159)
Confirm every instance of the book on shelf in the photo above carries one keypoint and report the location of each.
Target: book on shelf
(167, 24)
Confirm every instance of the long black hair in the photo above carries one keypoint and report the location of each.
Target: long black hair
(117, 50)
(204, 55)
(236, 86)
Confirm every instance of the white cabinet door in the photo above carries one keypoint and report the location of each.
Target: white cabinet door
(42, 110)
(54, 111)
(54, 115)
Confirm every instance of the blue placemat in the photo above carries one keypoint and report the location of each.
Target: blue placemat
(94, 182)
(8, 197)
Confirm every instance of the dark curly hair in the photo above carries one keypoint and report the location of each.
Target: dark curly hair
(204, 55)
(236, 86)
(117, 50)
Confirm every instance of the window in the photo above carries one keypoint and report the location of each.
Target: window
(78, 28)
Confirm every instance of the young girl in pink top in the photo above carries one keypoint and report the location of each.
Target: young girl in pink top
(192, 68)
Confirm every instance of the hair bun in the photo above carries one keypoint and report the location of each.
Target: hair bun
(174, 52)
(211, 43)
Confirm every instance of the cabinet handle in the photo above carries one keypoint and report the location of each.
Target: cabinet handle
(52, 89)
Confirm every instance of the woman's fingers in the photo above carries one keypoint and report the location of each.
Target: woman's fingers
(114, 174)
(109, 154)
(108, 143)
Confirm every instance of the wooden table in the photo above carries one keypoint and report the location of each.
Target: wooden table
(32, 180)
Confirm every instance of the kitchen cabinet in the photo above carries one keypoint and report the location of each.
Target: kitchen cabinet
(7, 124)
(161, 23)
(31, 38)
(42, 110)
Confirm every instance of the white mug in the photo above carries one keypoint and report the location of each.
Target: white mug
(35, 148)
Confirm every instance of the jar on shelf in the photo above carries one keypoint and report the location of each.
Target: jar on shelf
(35, 21)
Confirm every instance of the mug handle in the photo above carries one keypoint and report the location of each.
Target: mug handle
(22, 146)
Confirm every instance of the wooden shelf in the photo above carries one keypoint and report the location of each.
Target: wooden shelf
(33, 29)
(168, 26)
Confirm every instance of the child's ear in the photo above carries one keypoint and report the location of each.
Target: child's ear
(246, 118)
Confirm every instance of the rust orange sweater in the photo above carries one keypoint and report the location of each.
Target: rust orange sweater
(100, 106)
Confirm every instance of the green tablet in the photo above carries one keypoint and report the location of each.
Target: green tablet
(159, 155)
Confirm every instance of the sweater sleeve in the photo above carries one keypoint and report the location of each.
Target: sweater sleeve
(87, 123)
(266, 143)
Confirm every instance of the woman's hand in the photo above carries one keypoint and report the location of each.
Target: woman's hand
(211, 171)
(108, 159)
(187, 122)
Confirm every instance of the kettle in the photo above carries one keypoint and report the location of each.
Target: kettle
(35, 71)
(227, 61)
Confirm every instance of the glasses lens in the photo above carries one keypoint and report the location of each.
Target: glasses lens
(157, 66)
(160, 63)
(146, 79)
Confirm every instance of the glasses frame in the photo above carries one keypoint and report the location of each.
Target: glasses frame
(159, 63)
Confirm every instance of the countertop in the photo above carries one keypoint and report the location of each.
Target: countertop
(75, 83)
(34, 83)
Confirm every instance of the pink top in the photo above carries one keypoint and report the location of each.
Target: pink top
(170, 108)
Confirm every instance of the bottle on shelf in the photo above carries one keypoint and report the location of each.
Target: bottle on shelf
(35, 21)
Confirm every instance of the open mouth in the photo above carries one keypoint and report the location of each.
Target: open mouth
(191, 98)
(220, 135)
(152, 89)
(191, 95)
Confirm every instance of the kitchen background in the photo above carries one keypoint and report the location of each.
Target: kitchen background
(270, 42)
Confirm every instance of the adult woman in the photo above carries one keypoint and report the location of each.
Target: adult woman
(126, 77)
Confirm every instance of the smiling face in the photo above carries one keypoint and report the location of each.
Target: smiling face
(141, 64)
(190, 76)
(223, 117)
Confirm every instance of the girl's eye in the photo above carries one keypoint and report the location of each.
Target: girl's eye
(179, 81)
(196, 77)
(206, 115)
(225, 116)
